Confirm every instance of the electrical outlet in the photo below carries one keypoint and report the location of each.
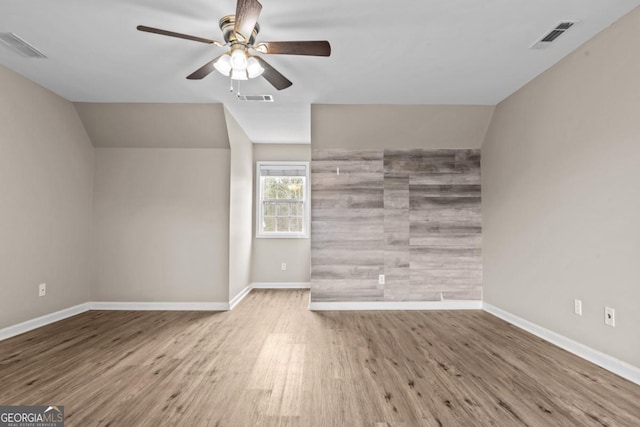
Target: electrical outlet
(610, 317)
(381, 279)
(577, 307)
(283, 267)
(42, 289)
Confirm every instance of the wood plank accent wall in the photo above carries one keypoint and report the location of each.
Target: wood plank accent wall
(412, 215)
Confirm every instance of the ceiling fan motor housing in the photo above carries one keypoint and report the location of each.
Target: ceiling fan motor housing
(227, 25)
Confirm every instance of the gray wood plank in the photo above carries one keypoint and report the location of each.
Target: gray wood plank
(347, 167)
(413, 215)
(346, 154)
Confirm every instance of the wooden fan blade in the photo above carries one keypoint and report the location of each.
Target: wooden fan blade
(203, 71)
(247, 13)
(312, 47)
(178, 35)
(273, 76)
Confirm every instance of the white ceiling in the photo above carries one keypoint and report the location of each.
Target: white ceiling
(383, 52)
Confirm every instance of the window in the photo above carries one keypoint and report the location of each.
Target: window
(282, 208)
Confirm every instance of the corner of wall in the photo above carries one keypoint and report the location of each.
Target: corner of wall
(489, 125)
(240, 207)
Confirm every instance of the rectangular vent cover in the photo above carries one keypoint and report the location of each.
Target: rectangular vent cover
(552, 35)
(19, 46)
(256, 98)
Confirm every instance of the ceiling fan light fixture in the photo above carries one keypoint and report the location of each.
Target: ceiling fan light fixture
(239, 75)
(239, 32)
(223, 65)
(239, 60)
(254, 69)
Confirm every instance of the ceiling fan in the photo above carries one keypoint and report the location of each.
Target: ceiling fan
(239, 32)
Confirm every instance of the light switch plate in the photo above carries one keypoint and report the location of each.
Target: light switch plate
(610, 317)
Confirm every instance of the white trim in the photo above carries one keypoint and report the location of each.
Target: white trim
(159, 306)
(283, 235)
(20, 328)
(306, 200)
(610, 363)
(236, 300)
(395, 305)
(281, 285)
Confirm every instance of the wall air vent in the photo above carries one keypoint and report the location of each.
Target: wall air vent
(256, 98)
(552, 35)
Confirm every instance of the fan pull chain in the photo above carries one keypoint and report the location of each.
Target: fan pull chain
(231, 87)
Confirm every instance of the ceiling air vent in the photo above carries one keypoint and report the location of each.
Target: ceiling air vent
(552, 35)
(256, 98)
(19, 46)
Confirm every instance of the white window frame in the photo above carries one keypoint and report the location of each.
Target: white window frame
(306, 219)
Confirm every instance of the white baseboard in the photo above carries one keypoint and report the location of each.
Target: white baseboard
(395, 305)
(619, 367)
(159, 306)
(623, 369)
(236, 300)
(20, 328)
(281, 285)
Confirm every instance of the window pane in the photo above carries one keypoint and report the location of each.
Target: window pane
(296, 225)
(298, 210)
(269, 209)
(283, 209)
(270, 188)
(298, 189)
(282, 224)
(269, 224)
(281, 188)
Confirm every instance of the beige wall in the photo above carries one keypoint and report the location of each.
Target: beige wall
(154, 125)
(561, 195)
(240, 207)
(269, 254)
(46, 170)
(399, 126)
(161, 225)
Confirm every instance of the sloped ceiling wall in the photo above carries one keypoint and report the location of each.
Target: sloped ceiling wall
(399, 126)
(154, 125)
(139, 125)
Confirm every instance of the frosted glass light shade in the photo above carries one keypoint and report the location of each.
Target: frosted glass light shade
(223, 65)
(238, 60)
(254, 69)
(239, 74)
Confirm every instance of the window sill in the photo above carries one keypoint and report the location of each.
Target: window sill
(282, 236)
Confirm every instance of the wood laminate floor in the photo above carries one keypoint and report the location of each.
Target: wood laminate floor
(270, 361)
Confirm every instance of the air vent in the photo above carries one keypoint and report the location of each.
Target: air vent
(256, 98)
(552, 35)
(19, 46)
